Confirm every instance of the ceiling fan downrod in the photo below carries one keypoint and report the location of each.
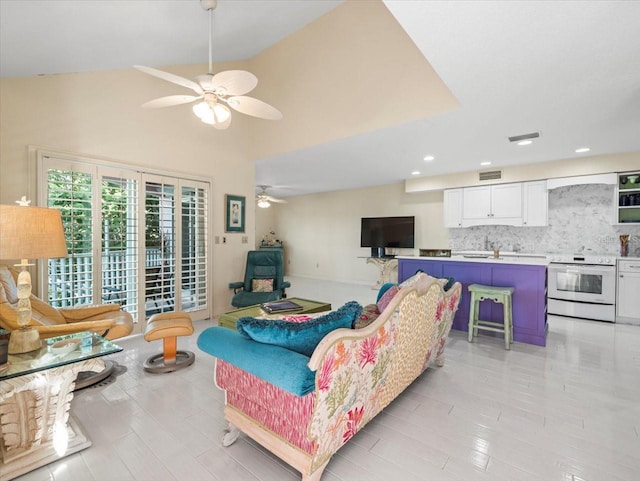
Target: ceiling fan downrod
(210, 6)
(230, 87)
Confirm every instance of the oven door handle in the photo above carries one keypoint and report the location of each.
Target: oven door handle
(586, 269)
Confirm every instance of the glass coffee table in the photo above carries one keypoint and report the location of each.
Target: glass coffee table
(228, 319)
(46, 378)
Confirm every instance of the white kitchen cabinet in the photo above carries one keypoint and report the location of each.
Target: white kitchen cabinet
(535, 204)
(452, 208)
(628, 302)
(492, 205)
(476, 203)
(506, 202)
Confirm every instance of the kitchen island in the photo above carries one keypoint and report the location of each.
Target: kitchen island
(526, 274)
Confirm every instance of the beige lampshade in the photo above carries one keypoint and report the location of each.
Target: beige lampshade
(31, 233)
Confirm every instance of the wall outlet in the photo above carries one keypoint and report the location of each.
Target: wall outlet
(224, 240)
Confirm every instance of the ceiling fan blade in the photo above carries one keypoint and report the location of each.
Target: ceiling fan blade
(254, 107)
(170, 101)
(234, 82)
(273, 199)
(169, 77)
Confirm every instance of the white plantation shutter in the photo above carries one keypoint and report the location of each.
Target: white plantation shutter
(120, 240)
(160, 242)
(194, 246)
(135, 239)
(70, 279)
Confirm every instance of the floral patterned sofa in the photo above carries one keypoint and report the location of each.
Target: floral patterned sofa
(354, 373)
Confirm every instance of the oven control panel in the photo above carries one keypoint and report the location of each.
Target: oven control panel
(582, 259)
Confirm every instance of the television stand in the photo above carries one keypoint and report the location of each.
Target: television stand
(388, 266)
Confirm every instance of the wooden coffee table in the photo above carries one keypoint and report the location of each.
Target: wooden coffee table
(228, 319)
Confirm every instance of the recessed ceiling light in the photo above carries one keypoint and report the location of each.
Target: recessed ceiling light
(525, 142)
(484, 164)
(429, 158)
(582, 150)
(415, 172)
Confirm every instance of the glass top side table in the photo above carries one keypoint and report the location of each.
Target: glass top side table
(89, 345)
(36, 389)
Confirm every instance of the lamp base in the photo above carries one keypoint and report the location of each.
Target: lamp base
(25, 339)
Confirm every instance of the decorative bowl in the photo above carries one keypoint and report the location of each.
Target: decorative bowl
(65, 346)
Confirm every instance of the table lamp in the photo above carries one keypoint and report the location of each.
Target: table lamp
(28, 233)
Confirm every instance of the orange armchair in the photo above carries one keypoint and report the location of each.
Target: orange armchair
(107, 320)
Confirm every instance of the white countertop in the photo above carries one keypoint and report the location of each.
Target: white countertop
(482, 256)
(505, 257)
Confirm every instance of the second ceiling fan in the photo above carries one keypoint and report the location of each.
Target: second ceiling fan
(264, 200)
(217, 92)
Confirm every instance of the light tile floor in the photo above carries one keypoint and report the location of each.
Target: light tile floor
(570, 412)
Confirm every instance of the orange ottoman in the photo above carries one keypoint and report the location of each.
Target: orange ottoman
(168, 326)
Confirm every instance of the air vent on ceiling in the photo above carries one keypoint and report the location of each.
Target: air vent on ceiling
(490, 175)
(520, 138)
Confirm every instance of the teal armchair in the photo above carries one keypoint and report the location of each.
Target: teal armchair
(263, 279)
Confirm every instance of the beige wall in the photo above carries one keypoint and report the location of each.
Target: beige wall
(351, 71)
(99, 114)
(266, 222)
(322, 231)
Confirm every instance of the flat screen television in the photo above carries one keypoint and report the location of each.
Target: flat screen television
(382, 232)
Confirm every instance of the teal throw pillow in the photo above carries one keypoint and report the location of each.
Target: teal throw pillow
(450, 282)
(302, 337)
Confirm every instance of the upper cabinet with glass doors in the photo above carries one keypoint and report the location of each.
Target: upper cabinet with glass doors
(628, 198)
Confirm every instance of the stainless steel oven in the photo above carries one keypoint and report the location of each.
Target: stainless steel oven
(582, 286)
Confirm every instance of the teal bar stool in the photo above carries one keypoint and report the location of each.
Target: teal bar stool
(500, 295)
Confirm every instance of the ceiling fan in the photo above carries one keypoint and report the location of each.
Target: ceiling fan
(264, 200)
(215, 91)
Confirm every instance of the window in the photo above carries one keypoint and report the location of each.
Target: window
(134, 238)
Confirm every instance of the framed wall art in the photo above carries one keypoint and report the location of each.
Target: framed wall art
(234, 210)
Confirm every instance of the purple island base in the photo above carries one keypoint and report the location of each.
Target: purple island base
(529, 297)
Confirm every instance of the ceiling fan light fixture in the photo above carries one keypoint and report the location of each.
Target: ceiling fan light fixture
(263, 203)
(229, 87)
(221, 113)
(202, 110)
(212, 113)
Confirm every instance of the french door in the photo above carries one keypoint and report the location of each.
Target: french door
(135, 239)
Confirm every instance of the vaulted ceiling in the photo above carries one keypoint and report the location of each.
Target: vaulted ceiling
(567, 69)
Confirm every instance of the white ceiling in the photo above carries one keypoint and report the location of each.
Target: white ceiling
(569, 69)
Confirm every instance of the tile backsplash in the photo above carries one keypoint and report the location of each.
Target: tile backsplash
(580, 221)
